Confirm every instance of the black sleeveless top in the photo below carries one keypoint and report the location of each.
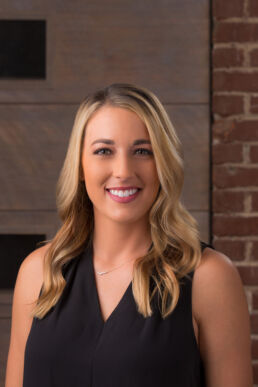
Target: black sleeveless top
(73, 347)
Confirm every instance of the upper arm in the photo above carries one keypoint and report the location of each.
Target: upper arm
(221, 309)
(26, 291)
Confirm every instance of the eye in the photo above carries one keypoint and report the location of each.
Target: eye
(99, 151)
(145, 150)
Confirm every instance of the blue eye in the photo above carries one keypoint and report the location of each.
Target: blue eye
(148, 152)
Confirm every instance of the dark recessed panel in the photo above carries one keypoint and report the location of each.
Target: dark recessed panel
(14, 248)
(23, 49)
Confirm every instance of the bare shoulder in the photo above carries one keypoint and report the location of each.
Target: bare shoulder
(214, 266)
(221, 311)
(215, 276)
(31, 271)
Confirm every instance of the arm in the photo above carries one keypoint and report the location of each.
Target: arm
(221, 309)
(26, 291)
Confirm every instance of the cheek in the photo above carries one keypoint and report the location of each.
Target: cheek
(93, 171)
(152, 175)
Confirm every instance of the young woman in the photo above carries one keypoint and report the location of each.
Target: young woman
(126, 294)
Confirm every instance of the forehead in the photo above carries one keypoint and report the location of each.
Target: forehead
(116, 123)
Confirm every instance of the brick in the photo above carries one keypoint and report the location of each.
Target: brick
(254, 322)
(253, 8)
(235, 226)
(254, 251)
(255, 374)
(249, 276)
(227, 105)
(254, 105)
(228, 131)
(254, 196)
(232, 176)
(254, 57)
(234, 81)
(235, 32)
(222, 129)
(227, 201)
(254, 349)
(222, 9)
(235, 250)
(254, 154)
(227, 57)
(255, 300)
(222, 153)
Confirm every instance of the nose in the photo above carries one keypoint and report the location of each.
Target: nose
(123, 166)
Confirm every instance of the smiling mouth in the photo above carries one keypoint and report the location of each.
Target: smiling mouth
(135, 190)
(123, 198)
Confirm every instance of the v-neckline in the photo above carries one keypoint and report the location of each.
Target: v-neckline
(96, 295)
(119, 304)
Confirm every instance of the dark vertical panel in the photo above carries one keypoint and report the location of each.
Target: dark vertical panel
(14, 248)
(23, 49)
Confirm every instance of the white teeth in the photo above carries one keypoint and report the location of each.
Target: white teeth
(121, 193)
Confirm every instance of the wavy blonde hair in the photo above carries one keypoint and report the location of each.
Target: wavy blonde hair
(176, 249)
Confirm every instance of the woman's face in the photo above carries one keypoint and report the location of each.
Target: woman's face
(124, 161)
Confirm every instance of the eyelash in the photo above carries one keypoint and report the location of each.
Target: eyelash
(142, 149)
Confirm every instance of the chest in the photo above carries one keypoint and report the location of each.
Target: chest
(110, 290)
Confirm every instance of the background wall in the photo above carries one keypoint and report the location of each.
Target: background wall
(235, 144)
(164, 46)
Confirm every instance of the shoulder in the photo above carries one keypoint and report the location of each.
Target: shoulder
(214, 263)
(30, 274)
(215, 276)
(221, 311)
(35, 260)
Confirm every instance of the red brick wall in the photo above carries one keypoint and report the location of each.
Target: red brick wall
(235, 144)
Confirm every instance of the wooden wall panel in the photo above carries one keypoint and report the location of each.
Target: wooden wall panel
(191, 123)
(33, 141)
(161, 45)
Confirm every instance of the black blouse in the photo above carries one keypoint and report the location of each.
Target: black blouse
(73, 347)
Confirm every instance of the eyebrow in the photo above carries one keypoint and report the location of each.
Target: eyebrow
(111, 142)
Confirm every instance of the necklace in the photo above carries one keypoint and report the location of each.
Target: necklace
(108, 271)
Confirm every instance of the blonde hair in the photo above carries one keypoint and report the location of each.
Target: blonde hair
(176, 249)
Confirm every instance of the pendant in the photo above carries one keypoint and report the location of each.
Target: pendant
(102, 272)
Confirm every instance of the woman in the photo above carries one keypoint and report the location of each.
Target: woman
(130, 296)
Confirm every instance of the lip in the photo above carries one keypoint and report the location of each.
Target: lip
(123, 199)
